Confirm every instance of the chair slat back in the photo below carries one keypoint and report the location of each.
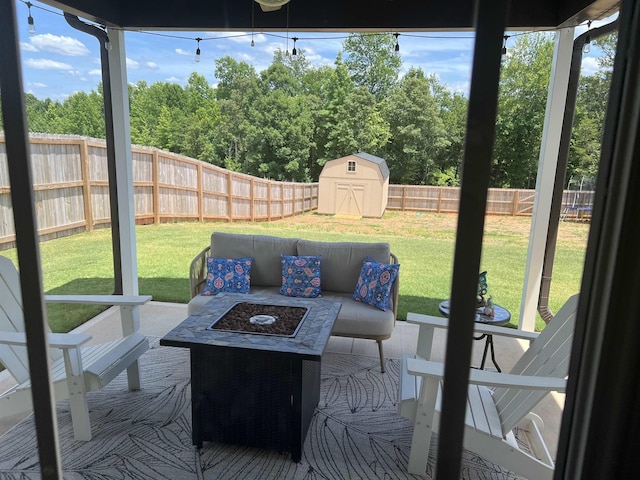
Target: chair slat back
(14, 358)
(548, 356)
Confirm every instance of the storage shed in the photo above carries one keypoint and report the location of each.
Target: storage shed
(356, 185)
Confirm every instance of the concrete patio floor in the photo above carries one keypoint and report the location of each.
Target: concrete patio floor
(157, 318)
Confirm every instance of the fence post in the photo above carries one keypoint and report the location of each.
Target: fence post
(439, 199)
(268, 200)
(86, 184)
(156, 186)
(200, 194)
(252, 200)
(230, 196)
(516, 200)
(282, 200)
(293, 199)
(404, 197)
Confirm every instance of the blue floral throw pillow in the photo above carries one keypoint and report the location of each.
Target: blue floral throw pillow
(300, 276)
(228, 275)
(375, 282)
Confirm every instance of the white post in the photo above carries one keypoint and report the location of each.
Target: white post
(550, 146)
(130, 316)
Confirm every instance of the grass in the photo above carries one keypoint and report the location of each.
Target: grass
(424, 244)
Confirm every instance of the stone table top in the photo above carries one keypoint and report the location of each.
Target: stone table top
(310, 340)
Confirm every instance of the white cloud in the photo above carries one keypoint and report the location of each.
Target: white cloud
(37, 84)
(174, 80)
(46, 64)
(181, 51)
(27, 47)
(589, 66)
(238, 37)
(132, 64)
(59, 44)
(95, 71)
(151, 65)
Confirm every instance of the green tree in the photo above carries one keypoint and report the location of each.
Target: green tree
(80, 114)
(147, 104)
(521, 109)
(237, 91)
(349, 120)
(372, 62)
(452, 110)
(418, 134)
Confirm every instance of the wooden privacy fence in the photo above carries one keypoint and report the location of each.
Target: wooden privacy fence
(500, 201)
(72, 192)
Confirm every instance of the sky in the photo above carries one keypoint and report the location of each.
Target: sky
(59, 61)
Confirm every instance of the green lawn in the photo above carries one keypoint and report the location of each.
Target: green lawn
(424, 244)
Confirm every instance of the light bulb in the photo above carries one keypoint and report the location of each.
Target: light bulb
(107, 44)
(32, 25)
(197, 59)
(587, 44)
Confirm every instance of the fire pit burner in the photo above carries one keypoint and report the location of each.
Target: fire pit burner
(261, 319)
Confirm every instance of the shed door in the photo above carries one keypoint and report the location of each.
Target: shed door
(349, 199)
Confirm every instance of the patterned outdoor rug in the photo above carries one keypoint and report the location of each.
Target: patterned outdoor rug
(355, 432)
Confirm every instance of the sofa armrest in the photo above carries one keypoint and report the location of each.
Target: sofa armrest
(198, 272)
(395, 291)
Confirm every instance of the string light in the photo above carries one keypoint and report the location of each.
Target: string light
(504, 46)
(32, 26)
(252, 23)
(198, 50)
(586, 48)
(294, 52)
(107, 43)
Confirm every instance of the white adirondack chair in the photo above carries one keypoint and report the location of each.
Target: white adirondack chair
(74, 370)
(497, 402)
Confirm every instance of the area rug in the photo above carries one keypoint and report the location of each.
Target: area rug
(355, 432)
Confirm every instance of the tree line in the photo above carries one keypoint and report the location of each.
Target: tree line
(287, 121)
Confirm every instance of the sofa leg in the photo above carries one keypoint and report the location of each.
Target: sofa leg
(381, 355)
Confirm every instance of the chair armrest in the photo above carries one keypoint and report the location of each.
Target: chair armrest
(198, 272)
(57, 340)
(99, 299)
(424, 368)
(440, 322)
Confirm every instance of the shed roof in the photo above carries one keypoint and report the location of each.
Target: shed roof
(381, 162)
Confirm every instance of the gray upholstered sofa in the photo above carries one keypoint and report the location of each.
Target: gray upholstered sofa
(340, 268)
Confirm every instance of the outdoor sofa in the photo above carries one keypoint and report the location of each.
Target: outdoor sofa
(340, 271)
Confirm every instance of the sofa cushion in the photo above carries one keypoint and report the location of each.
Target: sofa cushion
(266, 270)
(375, 283)
(342, 261)
(358, 319)
(300, 276)
(228, 275)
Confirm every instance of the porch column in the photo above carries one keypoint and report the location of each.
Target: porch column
(547, 162)
(130, 316)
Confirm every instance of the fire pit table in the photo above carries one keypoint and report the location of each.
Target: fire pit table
(250, 386)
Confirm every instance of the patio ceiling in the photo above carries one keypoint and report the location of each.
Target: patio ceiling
(329, 15)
